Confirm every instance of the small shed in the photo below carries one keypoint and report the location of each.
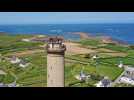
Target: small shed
(129, 72)
(23, 64)
(14, 60)
(104, 82)
(120, 64)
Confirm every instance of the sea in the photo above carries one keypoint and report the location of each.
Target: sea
(122, 32)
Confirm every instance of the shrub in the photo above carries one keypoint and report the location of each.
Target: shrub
(132, 46)
(96, 77)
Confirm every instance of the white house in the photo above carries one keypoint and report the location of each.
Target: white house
(3, 85)
(26, 40)
(23, 64)
(14, 60)
(120, 65)
(13, 84)
(99, 84)
(40, 35)
(82, 76)
(104, 83)
(126, 80)
(94, 57)
(128, 76)
(129, 72)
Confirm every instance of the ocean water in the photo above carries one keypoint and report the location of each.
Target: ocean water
(122, 32)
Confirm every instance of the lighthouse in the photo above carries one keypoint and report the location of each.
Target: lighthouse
(55, 62)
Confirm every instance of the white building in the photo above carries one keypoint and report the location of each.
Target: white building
(128, 76)
(14, 60)
(82, 76)
(121, 65)
(129, 72)
(13, 84)
(23, 64)
(104, 83)
(99, 84)
(94, 57)
(26, 40)
(3, 85)
(126, 80)
(40, 35)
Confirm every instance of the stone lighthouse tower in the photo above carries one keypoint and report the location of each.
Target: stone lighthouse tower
(55, 62)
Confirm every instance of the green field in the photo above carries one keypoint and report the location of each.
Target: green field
(27, 76)
(13, 43)
(92, 42)
(35, 74)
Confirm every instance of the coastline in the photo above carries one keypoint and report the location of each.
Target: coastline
(83, 35)
(120, 31)
(105, 39)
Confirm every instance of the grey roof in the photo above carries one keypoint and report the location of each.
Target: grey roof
(129, 68)
(23, 62)
(8, 85)
(13, 58)
(12, 84)
(3, 85)
(106, 82)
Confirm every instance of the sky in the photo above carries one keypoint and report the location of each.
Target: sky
(65, 17)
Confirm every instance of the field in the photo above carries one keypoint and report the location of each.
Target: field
(34, 75)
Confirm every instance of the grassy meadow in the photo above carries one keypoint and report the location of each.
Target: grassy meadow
(35, 74)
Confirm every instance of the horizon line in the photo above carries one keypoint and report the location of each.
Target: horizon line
(65, 23)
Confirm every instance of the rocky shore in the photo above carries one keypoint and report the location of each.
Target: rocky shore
(3, 33)
(104, 39)
(83, 35)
